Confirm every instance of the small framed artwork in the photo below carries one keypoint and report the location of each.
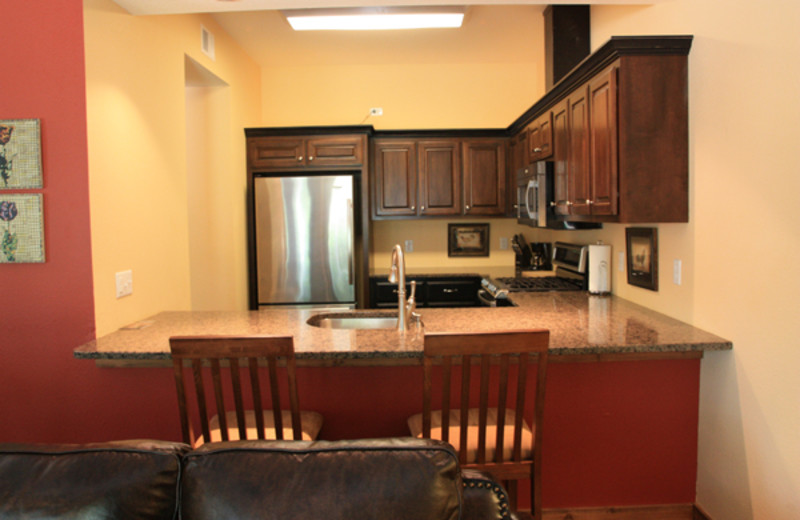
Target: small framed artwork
(642, 251)
(20, 154)
(468, 240)
(21, 229)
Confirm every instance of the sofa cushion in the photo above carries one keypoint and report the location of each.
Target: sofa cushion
(120, 480)
(398, 479)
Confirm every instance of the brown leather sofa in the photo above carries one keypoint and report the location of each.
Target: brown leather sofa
(396, 479)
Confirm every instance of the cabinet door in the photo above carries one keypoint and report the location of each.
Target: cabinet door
(560, 158)
(578, 157)
(335, 151)
(276, 152)
(540, 138)
(395, 186)
(518, 159)
(603, 142)
(439, 177)
(484, 176)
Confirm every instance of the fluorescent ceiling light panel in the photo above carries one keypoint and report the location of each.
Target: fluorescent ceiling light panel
(375, 18)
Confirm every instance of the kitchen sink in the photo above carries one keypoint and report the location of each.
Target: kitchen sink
(349, 321)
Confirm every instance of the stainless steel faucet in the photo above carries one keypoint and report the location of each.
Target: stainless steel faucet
(397, 274)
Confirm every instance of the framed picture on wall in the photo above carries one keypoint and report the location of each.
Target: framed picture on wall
(468, 240)
(20, 154)
(642, 252)
(21, 229)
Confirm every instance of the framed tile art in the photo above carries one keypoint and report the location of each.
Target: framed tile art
(20, 154)
(21, 228)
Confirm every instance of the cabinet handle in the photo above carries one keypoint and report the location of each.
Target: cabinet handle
(589, 202)
(515, 206)
(553, 204)
(310, 157)
(413, 208)
(299, 159)
(537, 150)
(467, 208)
(449, 291)
(422, 208)
(569, 203)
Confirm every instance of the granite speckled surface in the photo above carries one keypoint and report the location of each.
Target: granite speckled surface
(579, 324)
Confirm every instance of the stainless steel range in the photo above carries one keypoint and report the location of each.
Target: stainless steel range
(570, 261)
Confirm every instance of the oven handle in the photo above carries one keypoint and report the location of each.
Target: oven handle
(486, 298)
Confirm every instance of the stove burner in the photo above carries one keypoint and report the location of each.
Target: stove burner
(541, 284)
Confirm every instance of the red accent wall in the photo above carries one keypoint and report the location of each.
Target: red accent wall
(46, 310)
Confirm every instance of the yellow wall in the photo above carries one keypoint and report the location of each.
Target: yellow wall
(136, 111)
(740, 278)
(485, 75)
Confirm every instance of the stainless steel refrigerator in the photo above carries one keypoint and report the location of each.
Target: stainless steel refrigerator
(304, 236)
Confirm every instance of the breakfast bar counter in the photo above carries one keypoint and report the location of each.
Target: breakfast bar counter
(580, 325)
(622, 395)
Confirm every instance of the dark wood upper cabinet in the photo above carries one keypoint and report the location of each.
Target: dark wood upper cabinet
(540, 138)
(620, 132)
(560, 158)
(281, 153)
(394, 174)
(603, 150)
(439, 177)
(578, 175)
(484, 176)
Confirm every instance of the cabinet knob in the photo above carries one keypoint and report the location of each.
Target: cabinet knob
(590, 202)
(300, 158)
(515, 206)
(310, 157)
(553, 204)
(413, 208)
(537, 150)
(467, 208)
(569, 203)
(422, 208)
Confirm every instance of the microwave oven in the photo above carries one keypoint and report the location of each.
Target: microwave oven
(536, 199)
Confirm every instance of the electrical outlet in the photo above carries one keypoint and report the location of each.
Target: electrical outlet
(376, 111)
(124, 283)
(409, 246)
(504, 243)
(676, 272)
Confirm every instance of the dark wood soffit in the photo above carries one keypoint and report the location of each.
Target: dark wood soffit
(615, 48)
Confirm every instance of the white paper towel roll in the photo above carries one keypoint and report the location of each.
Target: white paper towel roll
(599, 268)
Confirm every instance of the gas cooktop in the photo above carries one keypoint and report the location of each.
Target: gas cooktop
(540, 284)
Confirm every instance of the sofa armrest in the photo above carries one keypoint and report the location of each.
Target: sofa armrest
(483, 497)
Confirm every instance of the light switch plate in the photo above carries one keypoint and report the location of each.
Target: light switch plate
(409, 246)
(621, 262)
(676, 272)
(124, 283)
(504, 243)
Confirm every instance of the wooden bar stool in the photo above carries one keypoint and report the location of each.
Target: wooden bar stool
(277, 353)
(505, 442)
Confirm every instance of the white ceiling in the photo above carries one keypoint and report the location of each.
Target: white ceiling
(140, 7)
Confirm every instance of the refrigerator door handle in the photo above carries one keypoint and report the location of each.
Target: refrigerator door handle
(351, 267)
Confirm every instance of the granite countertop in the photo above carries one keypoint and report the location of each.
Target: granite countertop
(579, 324)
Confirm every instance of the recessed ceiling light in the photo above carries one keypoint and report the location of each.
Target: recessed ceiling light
(375, 18)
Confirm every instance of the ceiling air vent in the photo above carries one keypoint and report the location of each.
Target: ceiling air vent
(207, 42)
